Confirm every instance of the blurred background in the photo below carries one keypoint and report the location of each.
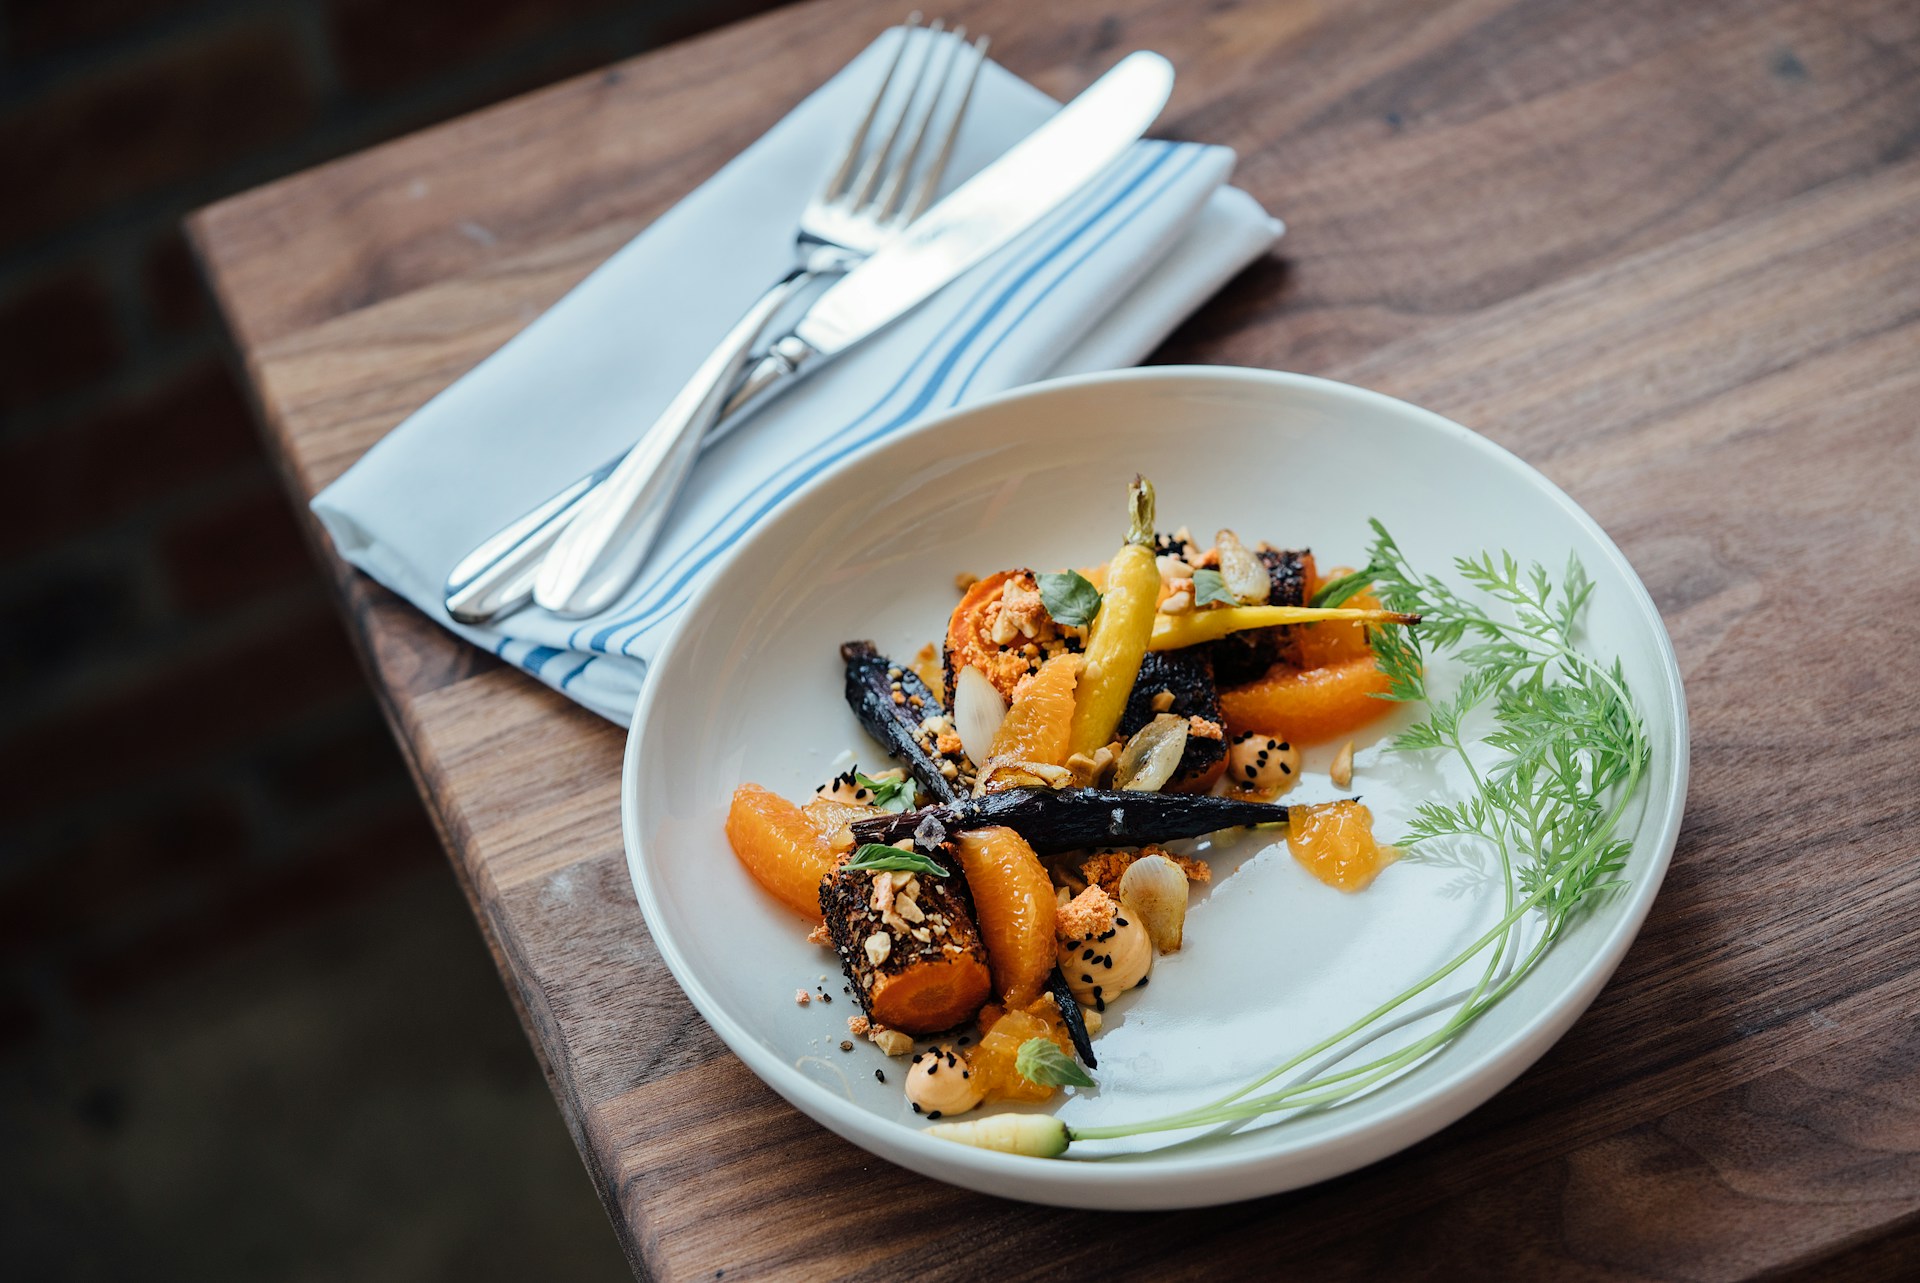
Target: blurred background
(247, 1026)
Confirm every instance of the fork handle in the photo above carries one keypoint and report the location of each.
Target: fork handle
(496, 578)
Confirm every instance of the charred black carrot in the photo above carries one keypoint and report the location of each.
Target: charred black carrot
(894, 705)
(1055, 820)
(1070, 1017)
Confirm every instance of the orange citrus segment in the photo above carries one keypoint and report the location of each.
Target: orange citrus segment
(1013, 903)
(782, 846)
(1308, 705)
(1037, 726)
(830, 819)
(1337, 641)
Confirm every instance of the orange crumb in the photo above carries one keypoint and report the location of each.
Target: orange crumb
(1105, 868)
(1088, 914)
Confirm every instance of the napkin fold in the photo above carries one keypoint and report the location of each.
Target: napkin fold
(1095, 285)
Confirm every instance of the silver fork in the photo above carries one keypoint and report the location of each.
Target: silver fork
(878, 186)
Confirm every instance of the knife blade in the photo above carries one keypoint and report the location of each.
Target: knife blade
(1028, 181)
(603, 546)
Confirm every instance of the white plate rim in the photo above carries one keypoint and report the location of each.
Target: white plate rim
(1443, 1097)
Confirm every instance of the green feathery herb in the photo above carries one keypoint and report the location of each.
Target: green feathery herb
(1569, 751)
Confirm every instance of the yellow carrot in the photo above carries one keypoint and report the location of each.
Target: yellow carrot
(1171, 632)
(1117, 641)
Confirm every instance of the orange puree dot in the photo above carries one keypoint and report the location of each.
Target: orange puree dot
(1335, 842)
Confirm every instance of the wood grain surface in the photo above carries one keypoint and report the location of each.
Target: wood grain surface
(1668, 253)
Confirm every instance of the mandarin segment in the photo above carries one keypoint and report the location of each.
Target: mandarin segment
(1013, 904)
(1040, 721)
(830, 820)
(1309, 705)
(1337, 641)
(782, 846)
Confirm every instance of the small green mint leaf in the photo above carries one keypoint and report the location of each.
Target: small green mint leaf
(1069, 597)
(1041, 1061)
(1210, 589)
(895, 795)
(875, 858)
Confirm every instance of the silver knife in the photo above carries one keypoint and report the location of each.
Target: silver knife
(602, 548)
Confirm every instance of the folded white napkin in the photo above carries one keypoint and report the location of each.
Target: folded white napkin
(1096, 285)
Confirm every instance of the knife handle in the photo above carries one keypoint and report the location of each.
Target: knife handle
(496, 579)
(600, 551)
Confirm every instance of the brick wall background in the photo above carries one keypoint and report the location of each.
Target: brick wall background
(193, 782)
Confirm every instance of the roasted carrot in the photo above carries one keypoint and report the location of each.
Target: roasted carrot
(1174, 632)
(1118, 639)
(904, 982)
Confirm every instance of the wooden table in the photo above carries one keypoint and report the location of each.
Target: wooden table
(1669, 253)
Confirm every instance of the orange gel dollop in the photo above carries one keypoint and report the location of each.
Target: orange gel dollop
(1334, 840)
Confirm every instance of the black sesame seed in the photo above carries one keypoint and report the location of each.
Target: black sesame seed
(1143, 982)
(826, 997)
(1086, 955)
(1118, 922)
(1285, 769)
(1251, 772)
(934, 1068)
(1085, 979)
(916, 1108)
(1285, 747)
(879, 1076)
(935, 1114)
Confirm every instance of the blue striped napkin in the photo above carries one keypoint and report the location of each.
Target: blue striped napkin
(1095, 286)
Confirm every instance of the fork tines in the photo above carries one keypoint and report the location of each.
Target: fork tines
(875, 179)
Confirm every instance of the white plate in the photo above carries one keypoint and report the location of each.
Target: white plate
(750, 689)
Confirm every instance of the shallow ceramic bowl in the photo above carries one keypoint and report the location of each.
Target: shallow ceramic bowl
(750, 689)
